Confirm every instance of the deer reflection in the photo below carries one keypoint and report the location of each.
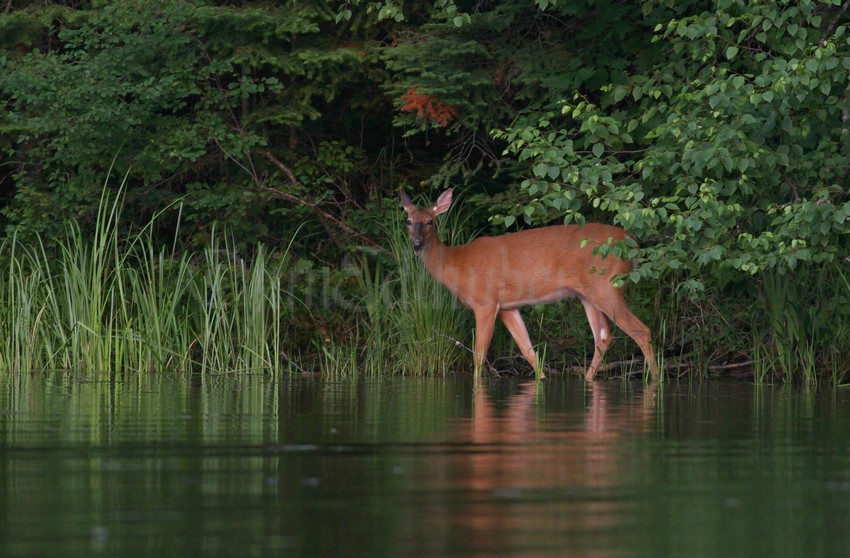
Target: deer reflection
(537, 477)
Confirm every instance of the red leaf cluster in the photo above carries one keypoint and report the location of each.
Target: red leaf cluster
(428, 108)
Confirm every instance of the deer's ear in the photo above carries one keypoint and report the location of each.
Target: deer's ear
(405, 201)
(443, 202)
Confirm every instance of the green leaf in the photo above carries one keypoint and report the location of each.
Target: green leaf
(598, 149)
(540, 170)
(731, 52)
(620, 93)
(812, 65)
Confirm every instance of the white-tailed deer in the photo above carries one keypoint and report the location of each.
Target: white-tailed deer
(497, 275)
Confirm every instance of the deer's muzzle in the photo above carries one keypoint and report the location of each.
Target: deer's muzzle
(418, 245)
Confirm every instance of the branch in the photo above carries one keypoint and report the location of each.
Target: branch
(731, 365)
(608, 366)
(831, 28)
(286, 170)
(320, 212)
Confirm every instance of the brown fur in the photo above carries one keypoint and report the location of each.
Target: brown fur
(497, 275)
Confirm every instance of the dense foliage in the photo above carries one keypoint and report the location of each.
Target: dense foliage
(716, 132)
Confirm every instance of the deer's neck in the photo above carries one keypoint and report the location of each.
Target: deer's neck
(439, 260)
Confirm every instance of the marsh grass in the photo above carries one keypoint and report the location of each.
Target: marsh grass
(107, 302)
(802, 333)
(111, 303)
(410, 324)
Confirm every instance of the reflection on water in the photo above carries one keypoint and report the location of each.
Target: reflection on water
(253, 466)
(556, 474)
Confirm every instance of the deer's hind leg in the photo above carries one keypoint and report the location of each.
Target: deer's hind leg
(601, 337)
(616, 309)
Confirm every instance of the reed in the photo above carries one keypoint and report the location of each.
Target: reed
(408, 323)
(805, 338)
(109, 302)
(432, 327)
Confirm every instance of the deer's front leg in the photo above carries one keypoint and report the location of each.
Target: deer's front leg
(485, 320)
(513, 321)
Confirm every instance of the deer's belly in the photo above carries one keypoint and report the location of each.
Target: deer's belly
(529, 299)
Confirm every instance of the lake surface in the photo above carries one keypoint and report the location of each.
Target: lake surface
(254, 466)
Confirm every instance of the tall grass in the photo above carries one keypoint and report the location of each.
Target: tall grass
(409, 324)
(431, 326)
(800, 332)
(108, 301)
(111, 303)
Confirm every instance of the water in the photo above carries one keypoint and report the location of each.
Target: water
(251, 466)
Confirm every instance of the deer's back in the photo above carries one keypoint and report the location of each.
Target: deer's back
(532, 266)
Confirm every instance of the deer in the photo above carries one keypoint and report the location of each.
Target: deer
(495, 276)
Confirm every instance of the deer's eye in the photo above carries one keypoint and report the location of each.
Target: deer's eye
(429, 222)
(409, 222)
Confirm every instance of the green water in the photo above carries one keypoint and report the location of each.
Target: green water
(420, 467)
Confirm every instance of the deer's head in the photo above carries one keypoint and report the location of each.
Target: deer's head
(421, 223)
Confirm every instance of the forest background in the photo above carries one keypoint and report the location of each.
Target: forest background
(214, 184)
